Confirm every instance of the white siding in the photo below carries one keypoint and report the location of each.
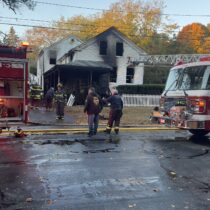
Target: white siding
(61, 48)
(91, 52)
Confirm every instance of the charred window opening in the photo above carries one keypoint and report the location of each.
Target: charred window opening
(130, 75)
(52, 61)
(52, 56)
(103, 47)
(119, 49)
(71, 56)
(113, 75)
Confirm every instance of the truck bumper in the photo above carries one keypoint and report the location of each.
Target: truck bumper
(193, 125)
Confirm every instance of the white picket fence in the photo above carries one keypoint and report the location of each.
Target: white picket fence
(140, 100)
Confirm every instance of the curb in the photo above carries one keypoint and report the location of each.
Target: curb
(85, 130)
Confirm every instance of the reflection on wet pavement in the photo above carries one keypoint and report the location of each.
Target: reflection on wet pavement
(148, 170)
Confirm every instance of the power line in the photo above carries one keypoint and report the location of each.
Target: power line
(79, 24)
(82, 31)
(25, 19)
(35, 26)
(65, 23)
(71, 6)
(100, 9)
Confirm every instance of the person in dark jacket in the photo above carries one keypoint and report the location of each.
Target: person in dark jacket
(93, 107)
(60, 100)
(49, 98)
(115, 113)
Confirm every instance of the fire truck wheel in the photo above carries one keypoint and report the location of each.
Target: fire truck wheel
(199, 132)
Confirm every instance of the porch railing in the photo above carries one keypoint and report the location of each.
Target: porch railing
(140, 100)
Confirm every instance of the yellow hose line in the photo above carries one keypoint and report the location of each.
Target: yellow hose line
(78, 130)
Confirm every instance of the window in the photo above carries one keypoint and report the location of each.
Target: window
(208, 83)
(103, 48)
(130, 75)
(113, 75)
(173, 79)
(119, 49)
(52, 61)
(71, 56)
(192, 78)
(52, 56)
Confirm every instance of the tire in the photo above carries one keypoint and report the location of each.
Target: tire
(199, 132)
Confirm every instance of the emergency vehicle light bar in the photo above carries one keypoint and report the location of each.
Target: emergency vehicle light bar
(206, 58)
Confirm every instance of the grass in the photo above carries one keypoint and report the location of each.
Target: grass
(131, 115)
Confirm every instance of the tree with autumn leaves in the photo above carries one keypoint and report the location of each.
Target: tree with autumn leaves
(194, 38)
(142, 22)
(138, 20)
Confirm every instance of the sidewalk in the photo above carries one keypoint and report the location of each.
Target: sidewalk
(42, 117)
(44, 122)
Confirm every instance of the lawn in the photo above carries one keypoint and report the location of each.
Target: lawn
(131, 115)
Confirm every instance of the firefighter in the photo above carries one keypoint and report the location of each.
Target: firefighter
(155, 115)
(49, 99)
(115, 113)
(60, 99)
(3, 111)
(36, 94)
(19, 133)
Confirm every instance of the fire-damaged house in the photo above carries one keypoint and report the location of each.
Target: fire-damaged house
(101, 61)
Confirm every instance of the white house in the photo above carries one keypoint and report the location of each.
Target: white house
(48, 57)
(113, 48)
(101, 61)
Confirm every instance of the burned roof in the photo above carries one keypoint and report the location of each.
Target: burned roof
(84, 65)
(116, 32)
(91, 64)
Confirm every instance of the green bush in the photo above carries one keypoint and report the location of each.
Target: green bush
(147, 89)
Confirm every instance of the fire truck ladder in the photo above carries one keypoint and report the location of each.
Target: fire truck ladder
(166, 59)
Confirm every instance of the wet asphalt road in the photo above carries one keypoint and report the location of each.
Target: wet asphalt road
(146, 171)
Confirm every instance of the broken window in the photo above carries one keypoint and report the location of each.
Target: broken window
(130, 75)
(103, 48)
(52, 61)
(71, 56)
(52, 56)
(119, 49)
(113, 75)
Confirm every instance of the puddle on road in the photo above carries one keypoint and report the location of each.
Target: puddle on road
(200, 140)
(100, 150)
(78, 145)
(59, 142)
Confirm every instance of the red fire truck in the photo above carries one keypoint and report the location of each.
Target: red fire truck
(13, 85)
(185, 102)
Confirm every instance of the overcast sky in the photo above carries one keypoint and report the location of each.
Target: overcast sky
(48, 12)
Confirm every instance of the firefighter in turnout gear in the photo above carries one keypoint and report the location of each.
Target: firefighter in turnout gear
(60, 100)
(36, 94)
(19, 133)
(115, 113)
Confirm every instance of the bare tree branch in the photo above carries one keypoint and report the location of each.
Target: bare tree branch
(16, 4)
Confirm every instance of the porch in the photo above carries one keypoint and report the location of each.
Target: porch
(77, 76)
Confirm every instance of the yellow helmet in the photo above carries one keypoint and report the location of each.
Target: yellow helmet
(59, 85)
